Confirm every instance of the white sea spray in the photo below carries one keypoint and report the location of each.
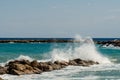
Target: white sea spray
(86, 50)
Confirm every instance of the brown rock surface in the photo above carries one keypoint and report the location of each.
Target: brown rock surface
(3, 70)
(1, 78)
(21, 67)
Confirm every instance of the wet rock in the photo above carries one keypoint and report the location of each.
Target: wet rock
(1, 78)
(25, 62)
(56, 66)
(72, 62)
(19, 67)
(77, 60)
(83, 63)
(115, 43)
(37, 70)
(44, 66)
(80, 62)
(34, 63)
(26, 67)
(49, 63)
(16, 72)
(19, 62)
(89, 62)
(3, 70)
(62, 63)
(22, 67)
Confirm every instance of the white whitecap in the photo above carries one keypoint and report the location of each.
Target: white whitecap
(86, 50)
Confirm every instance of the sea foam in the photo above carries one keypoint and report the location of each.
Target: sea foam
(86, 50)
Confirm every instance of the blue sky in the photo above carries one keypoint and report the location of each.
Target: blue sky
(59, 18)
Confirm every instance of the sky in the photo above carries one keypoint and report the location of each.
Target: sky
(59, 18)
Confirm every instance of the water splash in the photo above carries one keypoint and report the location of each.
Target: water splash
(85, 50)
(23, 57)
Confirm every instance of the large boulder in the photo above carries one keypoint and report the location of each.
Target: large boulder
(72, 62)
(23, 67)
(19, 67)
(56, 66)
(80, 62)
(34, 63)
(90, 62)
(16, 72)
(44, 66)
(62, 63)
(18, 62)
(37, 70)
(77, 60)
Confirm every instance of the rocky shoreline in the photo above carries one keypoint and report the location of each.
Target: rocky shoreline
(115, 43)
(36, 41)
(107, 43)
(22, 67)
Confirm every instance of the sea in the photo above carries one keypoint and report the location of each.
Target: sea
(107, 56)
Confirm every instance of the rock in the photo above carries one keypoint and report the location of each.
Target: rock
(72, 62)
(1, 78)
(17, 66)
(77, 60)
(44, 66)
(23, 67)
(26, 67)
(3, 70)
(56, 66)
(56, 62)
(37, 70)
(62, 63)
(34, 63)
(16, 72)
(49, 63)
(25, 62)
(19, 62)
(115, 43)
(89, 62)
(16, 69)
(28, 71)
(31, 70)
(83, 63)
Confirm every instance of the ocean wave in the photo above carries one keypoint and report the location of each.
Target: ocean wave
(86, 50)
(21, 57)
(110, 46)
(72, 73)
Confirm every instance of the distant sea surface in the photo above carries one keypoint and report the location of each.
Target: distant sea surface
(54, 38)
(108, 69)
(97, 39)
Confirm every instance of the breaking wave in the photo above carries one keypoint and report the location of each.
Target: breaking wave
(86, 50)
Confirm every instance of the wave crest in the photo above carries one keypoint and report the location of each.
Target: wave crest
(86, 50)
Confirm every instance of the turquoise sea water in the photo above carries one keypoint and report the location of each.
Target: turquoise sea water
(110, 70)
